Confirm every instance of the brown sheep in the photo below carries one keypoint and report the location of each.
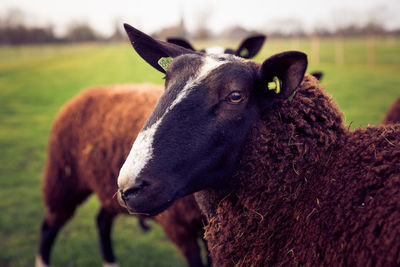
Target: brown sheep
(393, 114)
(282, 180)
(89, 141)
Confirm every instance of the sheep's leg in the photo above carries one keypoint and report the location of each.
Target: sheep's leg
(191, 250)
(209, 261)
(54, 221)
(104, 224)
(184, 237)
(60, 208)
(143, 224)
(47, 237)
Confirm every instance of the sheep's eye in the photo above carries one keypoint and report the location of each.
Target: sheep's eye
(235, 97)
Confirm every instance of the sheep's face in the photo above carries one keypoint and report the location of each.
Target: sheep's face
(194, 136)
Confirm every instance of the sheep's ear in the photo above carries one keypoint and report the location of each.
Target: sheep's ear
(181, 42)
(250, 46)
(152, 50)
(281, 74)
(318, 75)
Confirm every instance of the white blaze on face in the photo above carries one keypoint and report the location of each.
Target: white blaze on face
(142, 149)
(216, 50)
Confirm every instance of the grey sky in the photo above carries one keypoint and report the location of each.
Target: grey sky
(151, 15)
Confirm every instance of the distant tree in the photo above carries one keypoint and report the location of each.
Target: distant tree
(285, 27)
(370, 28)
(236, 32)
(13, 30)
(118, 34)
(322, 31)
(177, 30)
(13, 18)
(395, 32)
(81, 32)
(202, 31)
(373, 28)
(41, 35)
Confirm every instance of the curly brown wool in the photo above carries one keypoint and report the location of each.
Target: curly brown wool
(309, 191)
(89, 141)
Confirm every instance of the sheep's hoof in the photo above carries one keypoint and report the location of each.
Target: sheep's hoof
(39, 262)
(110, 264)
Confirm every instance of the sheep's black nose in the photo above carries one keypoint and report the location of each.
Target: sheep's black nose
(130, 193)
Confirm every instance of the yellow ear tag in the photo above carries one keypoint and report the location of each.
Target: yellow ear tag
(164, 62)
(244, 52)
(275, 85)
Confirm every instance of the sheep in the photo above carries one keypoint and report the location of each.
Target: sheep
(282, 180)
(393, 114)
(318, 75)
(89, 141)
(248, 48)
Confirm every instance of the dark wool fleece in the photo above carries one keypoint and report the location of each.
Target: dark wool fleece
(393, 114)
(309, 191)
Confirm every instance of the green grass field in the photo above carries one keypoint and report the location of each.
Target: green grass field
(36, 81)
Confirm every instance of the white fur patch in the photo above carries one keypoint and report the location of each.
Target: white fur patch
(39, 262)
(216, 50)
(142, 149)
(107, 264)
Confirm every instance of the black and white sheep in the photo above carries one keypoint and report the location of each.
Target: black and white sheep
(182, 223)
(281, 179)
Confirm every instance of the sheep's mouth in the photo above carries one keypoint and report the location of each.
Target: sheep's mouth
(145, 211)
(158, 210)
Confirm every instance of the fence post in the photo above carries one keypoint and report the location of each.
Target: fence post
(315, 49)
(371, 45)
(339, 53)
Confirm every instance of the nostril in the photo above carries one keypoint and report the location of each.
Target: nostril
(122, 194)
(135, 189)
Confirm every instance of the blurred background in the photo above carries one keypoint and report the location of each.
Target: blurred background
(52, 50)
